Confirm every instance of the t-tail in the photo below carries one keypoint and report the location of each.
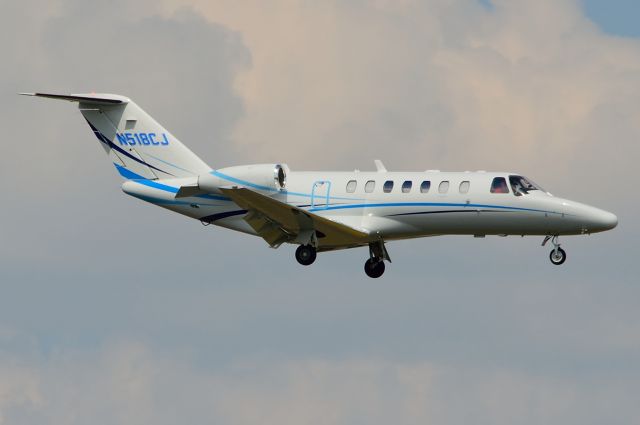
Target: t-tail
(138, 146)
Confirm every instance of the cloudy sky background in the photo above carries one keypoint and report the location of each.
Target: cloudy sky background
(114, 311)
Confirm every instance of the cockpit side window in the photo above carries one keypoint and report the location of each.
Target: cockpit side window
(499, 185)
(522, 186)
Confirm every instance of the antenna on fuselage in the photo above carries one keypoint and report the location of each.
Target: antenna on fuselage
(380, 166)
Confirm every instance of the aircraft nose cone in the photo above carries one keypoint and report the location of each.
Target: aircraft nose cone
(601, 220)
(608, 220)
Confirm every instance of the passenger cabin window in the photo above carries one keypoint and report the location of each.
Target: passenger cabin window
(443, 187)
(388, 186)
(406, 186)
(351, 186)
(522, 186)
(464, 186)
(425, 186)
(499, 185)
(369, 186)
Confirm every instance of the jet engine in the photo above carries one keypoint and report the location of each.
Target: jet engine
(261, 177)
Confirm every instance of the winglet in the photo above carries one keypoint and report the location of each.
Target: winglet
(380, 166)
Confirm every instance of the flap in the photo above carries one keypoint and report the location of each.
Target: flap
(278, 222)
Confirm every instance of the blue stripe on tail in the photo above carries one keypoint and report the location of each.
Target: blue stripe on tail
(110, 144)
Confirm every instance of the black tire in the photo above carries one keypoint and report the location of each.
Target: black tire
(306, 255)
(374, 269)
(559, 258)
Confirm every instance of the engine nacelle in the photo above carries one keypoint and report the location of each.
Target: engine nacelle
(265, 177)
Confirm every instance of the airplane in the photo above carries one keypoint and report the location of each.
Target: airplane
(324, 211)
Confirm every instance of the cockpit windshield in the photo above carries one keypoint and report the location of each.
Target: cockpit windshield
(522, 186)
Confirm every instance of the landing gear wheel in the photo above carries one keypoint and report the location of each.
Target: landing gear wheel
(557, 256)
(374, 268)
(306, 255)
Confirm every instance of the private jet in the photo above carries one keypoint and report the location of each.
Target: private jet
(325, 211)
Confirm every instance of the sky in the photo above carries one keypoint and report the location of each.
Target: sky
(115, 311)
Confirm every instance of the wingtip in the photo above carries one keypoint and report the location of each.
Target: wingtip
(27, 94)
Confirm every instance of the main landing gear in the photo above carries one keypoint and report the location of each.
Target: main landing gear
(374, 266)
(557, 254)
(306, 254)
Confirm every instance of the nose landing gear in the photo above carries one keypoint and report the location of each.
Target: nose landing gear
(557, 254)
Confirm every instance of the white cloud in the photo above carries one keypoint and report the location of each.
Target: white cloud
(434, 84)
(19, 390)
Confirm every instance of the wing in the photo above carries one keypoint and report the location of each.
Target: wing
(277, 222)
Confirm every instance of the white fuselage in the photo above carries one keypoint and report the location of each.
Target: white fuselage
(463, 206)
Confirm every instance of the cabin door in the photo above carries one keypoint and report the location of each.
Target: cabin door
(320, 193)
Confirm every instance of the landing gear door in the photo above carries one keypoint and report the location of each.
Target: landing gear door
(320, 193)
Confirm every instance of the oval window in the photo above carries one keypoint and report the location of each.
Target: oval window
(388, 186)
(351, 186)
(369, 186)
(406, 186)
(425, 186)
(464, 187)
(443, 187)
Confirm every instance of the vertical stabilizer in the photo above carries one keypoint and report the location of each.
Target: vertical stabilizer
(138, 145)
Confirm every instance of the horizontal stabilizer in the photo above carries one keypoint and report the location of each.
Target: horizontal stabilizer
(91, 98)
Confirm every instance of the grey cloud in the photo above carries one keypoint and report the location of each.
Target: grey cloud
(180, 68)
(126, 381)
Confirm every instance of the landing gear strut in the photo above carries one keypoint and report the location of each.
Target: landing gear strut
(374, 266)
(557, 254)
(306, 254)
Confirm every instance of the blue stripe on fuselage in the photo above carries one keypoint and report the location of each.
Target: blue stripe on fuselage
(128, 174)
(425, 204)
(500, 208)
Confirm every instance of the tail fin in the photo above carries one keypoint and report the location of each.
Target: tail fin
(139, 147)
